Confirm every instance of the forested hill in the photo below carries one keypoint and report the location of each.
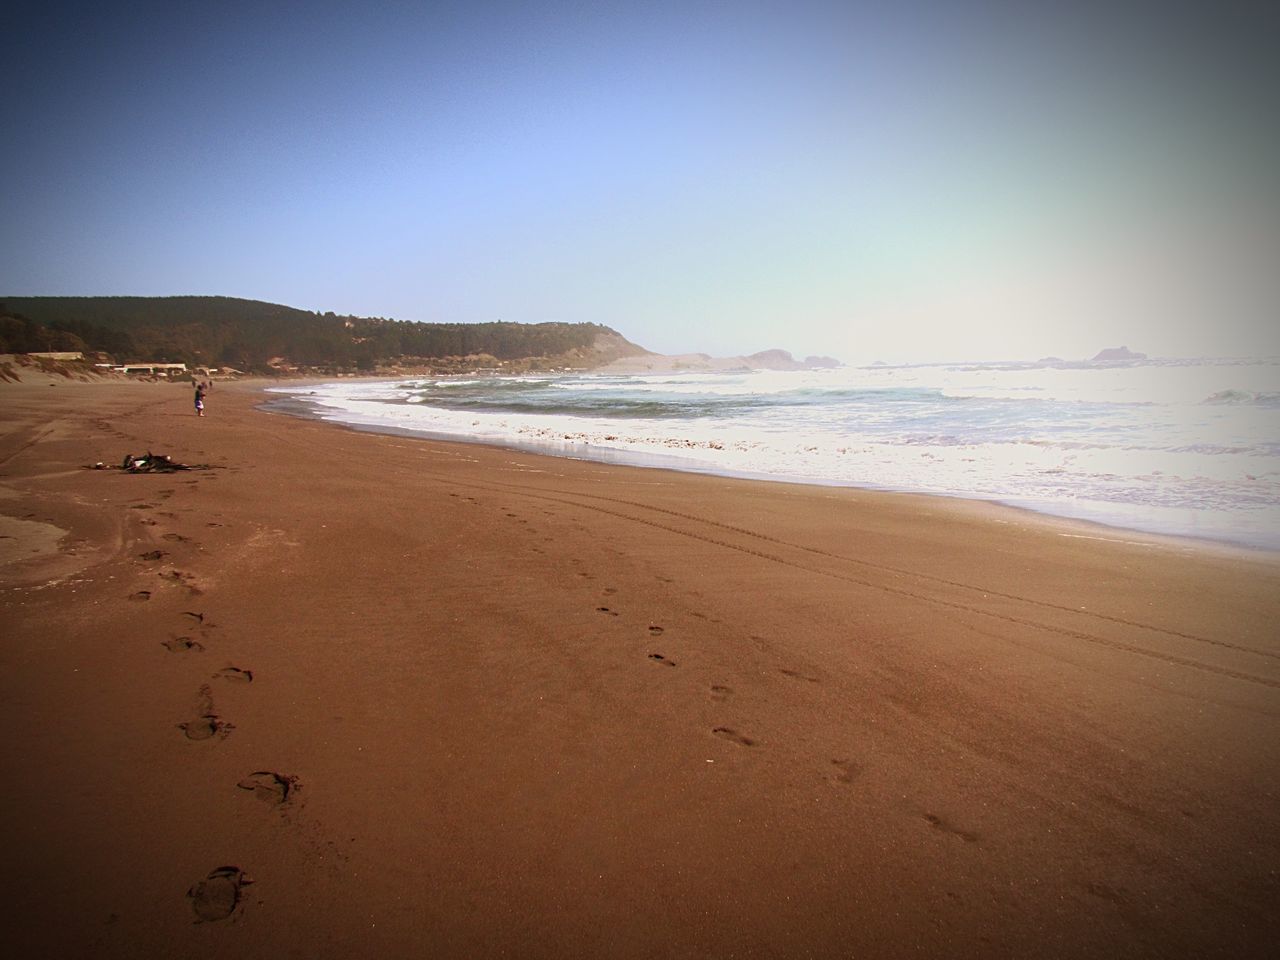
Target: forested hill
(249, 334)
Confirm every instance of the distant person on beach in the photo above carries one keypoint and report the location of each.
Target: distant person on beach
(199, 399)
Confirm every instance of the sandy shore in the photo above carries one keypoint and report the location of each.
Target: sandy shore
(439, 700)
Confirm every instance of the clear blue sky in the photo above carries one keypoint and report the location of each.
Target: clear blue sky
(898, 181)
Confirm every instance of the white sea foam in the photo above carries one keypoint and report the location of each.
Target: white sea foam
(1144, 446)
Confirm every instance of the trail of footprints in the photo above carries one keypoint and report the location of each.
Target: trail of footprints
(843, 771)
(718, 692)
(219, 895)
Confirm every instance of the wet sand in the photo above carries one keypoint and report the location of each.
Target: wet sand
(341, 694)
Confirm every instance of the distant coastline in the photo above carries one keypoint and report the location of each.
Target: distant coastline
(216, 334)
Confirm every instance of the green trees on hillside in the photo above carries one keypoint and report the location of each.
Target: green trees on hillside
(247, 334)
(19, 334)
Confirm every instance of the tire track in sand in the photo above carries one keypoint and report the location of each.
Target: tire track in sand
(577, 501)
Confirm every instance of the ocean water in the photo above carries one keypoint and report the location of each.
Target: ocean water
(1189, 448)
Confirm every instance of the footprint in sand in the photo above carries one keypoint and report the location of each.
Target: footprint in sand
(612, 613)
(733, 736)
(153, 555)
(720, 692)
(206, 727)
(1104, 892)
(846, 771)
(200, 622)
(939, 824)
(217, 896)
(654, 629)
(206, 724)
(140, 596)
(796, 675)
(270, 787)
(176, 538)
(182, 645)
(659, 658)
(234, 674)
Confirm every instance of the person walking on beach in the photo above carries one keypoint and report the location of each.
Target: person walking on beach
(199, 399)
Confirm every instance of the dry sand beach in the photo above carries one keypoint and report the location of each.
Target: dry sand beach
(442, 700)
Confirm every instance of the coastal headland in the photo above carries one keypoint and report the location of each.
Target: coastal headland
(333, 694)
